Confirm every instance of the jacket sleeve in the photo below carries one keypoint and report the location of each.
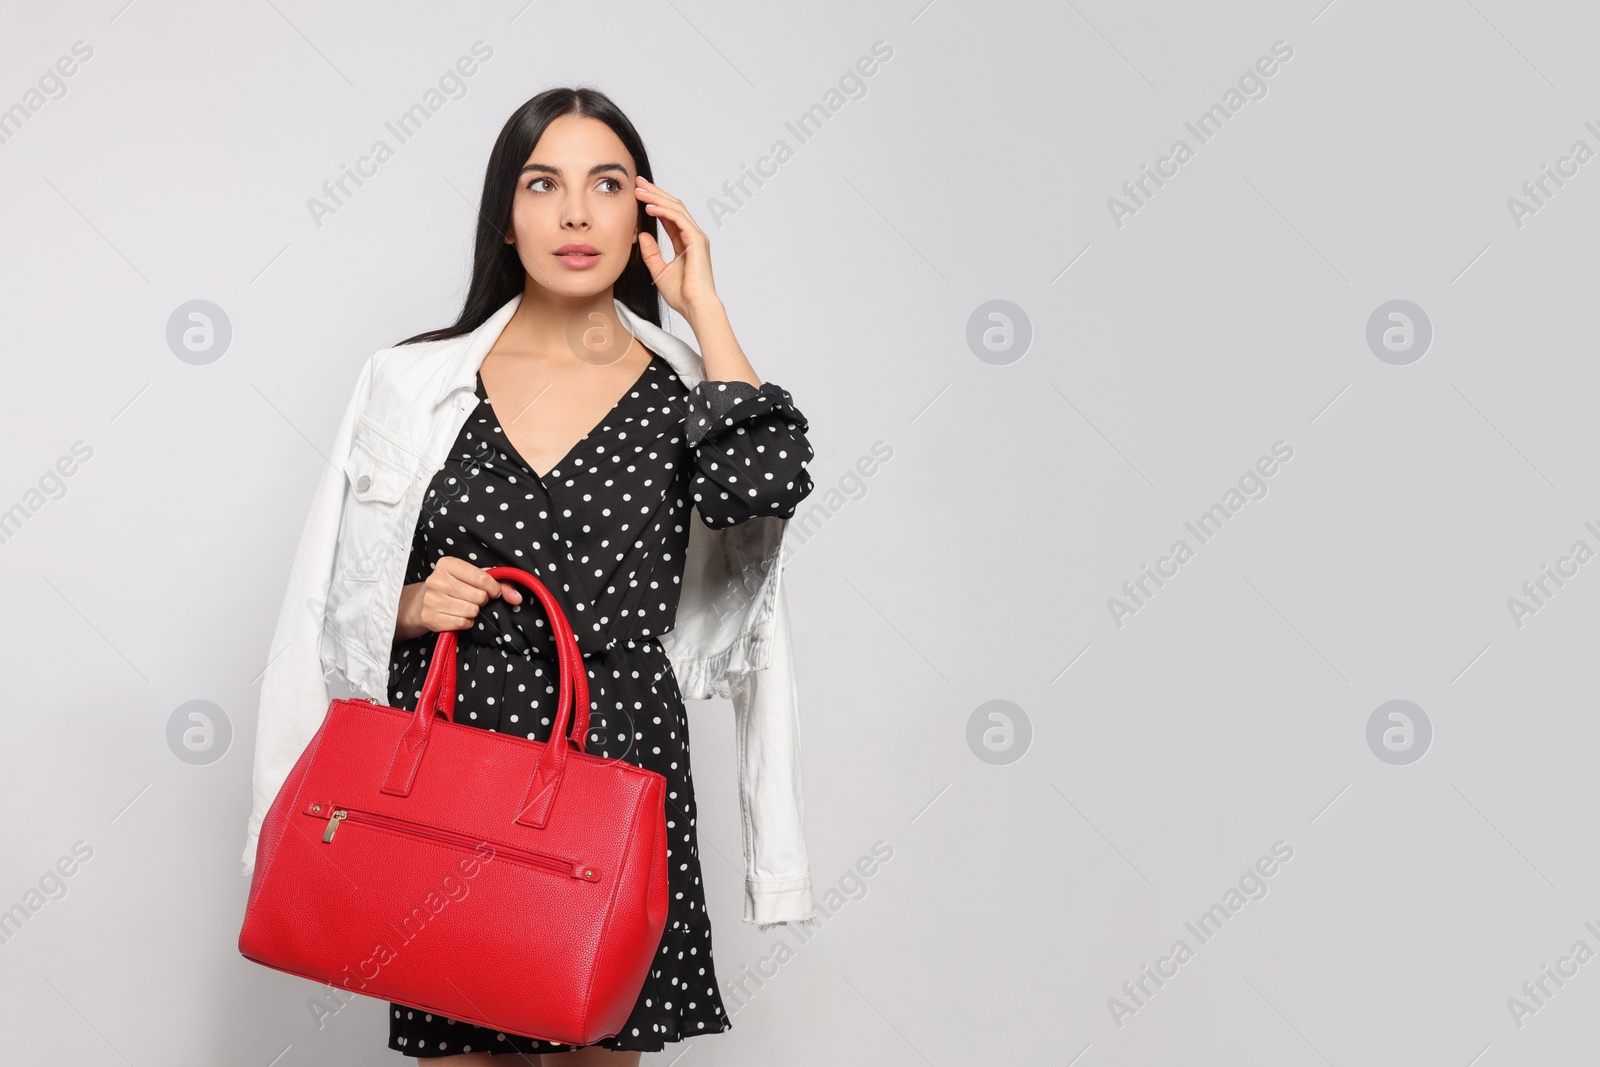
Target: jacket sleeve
(294, 692)
(766, 709)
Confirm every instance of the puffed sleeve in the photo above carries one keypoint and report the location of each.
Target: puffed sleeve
(750, 451)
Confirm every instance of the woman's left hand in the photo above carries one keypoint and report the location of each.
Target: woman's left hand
(685, 283)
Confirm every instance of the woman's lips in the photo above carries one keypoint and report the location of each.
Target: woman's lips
(580, 259)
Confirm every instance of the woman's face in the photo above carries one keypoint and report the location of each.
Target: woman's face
(576, 189)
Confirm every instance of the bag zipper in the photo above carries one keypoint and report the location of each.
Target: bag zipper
(556, 864)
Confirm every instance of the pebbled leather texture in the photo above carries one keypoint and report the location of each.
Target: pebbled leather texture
(509, 883)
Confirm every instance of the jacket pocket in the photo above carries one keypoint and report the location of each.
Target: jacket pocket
(373, 477)
(375, 492)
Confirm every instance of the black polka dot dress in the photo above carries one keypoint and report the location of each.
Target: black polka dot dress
(606, 530)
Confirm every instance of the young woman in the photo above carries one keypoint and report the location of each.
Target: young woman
(582, 455)
(581, 464)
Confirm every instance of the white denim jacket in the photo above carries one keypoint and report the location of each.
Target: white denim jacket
(730, 638)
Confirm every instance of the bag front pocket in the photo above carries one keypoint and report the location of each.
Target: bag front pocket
(336, 815)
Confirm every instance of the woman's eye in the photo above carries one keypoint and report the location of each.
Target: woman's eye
(536, 181)
(613, 181)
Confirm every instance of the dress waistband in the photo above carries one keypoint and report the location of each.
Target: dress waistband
(612, 643)
(620, 642)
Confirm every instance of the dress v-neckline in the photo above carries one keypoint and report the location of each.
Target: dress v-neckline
(511, 449)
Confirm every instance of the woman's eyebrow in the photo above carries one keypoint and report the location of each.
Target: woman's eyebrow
(596, 169)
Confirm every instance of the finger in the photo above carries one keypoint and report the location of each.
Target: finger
(665, 206)
(449, 605)
(479, 578)
(441, 623)
(661, 271)
(650, 252)
(462, 578)
(446, 613)
(460, 568)
(512, 594)
(656, 191)
(465, 591)
(680, 227)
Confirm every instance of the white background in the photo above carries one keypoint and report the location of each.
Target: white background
(1167, 354)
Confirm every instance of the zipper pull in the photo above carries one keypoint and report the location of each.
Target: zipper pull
(333, 824)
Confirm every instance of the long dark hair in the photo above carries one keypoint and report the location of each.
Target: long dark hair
(497, 273)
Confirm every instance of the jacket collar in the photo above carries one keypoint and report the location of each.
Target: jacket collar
(466, 353)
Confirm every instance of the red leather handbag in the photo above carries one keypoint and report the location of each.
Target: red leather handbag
(508, 883)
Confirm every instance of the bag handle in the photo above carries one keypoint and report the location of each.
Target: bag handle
(439, 687)
(439, 698)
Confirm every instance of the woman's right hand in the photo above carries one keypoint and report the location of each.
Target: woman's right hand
(449, 599)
